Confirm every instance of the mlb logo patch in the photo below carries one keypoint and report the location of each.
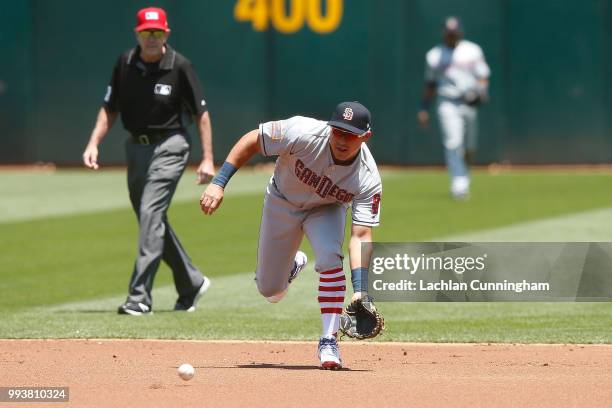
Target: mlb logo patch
(152, 15)
(162, 89)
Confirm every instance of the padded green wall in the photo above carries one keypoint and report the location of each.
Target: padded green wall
(549, 89)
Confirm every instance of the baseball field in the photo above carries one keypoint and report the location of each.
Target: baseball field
(68, 241)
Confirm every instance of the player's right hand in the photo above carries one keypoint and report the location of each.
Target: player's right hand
(211, 199)
(90, 157)
(423, 118)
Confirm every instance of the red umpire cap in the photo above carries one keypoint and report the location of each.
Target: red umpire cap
(151, 18)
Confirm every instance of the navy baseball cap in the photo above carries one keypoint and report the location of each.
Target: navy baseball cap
(452, 25)
(352, 117)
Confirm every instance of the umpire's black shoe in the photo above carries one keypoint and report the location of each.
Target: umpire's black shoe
(188, 303)
(134, 309)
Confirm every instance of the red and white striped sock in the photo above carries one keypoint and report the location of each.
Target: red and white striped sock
(332, 287)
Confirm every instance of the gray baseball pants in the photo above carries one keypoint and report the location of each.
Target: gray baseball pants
(282, 228)
(153, 174)
(459, 125)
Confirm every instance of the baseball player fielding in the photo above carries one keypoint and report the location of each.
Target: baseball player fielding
(322, 169)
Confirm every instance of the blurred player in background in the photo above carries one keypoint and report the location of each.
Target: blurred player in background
(154, 88)
(457, 72)
(321, 170)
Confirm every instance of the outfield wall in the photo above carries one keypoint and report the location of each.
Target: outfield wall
(550, 60)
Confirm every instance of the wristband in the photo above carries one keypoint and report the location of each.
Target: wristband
(359, 279)
(225, 174)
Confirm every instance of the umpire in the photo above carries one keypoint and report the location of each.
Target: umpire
(153, 86)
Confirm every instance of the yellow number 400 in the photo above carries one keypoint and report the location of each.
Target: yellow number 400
(262, 12)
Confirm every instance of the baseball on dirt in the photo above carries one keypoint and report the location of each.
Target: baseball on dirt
(186, 372)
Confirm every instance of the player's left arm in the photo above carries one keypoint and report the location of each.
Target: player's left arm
(365, 215)
(483, 89)
(359, 258)
(482, 73)
(361, 319)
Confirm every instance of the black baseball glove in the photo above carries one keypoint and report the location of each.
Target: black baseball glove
(360, 319)
(473, 98)
(477, 96)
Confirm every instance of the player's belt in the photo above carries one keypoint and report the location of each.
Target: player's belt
(451, 99)
(150, 138)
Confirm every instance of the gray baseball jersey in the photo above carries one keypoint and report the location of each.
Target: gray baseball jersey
(306, 175)
(456, 70)
(309, 195)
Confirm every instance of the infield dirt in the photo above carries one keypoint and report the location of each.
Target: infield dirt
(142, 373)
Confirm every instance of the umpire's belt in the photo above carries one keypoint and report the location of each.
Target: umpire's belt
(150, 138)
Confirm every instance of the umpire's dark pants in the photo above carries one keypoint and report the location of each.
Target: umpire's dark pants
(153, 174)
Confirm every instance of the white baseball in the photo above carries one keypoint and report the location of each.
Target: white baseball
(186, 372)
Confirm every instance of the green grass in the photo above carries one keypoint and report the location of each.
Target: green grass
(64, 274)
